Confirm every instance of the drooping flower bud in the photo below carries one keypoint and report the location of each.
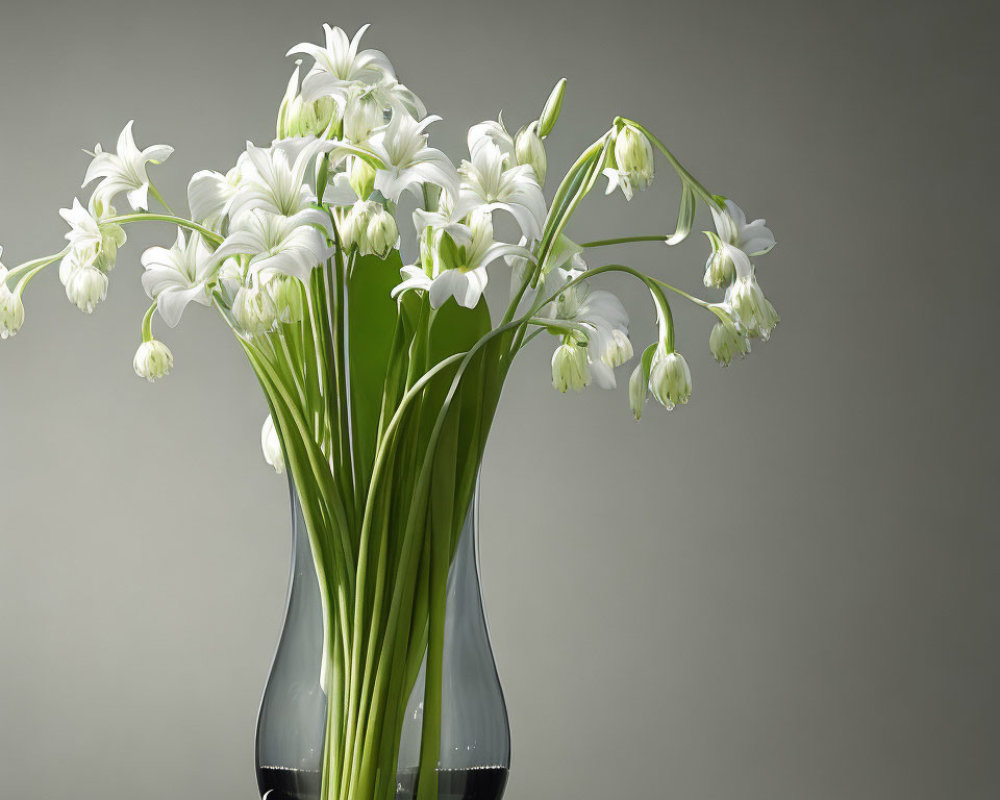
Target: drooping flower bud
(550, 113)
(669, 379)
(11, 307)
(153, 360)
(727, 341)
(354, 228)
(529, 150)
(751, 308)
(85, 287)
(270, 444)
(382, 234)
(637, 390)
(634, 156)
(569, 367)
(618, 350)
(720, 269)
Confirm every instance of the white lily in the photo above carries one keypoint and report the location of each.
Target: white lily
(93, 240)
(455, 262)
(409, 162)
(490, 180)
(340, 64)
(125, 171)
(733, 243)
(179, 275)
(210, 195)
(290, 245)
(273, 179)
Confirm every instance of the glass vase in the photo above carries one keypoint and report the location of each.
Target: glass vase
(475, 737)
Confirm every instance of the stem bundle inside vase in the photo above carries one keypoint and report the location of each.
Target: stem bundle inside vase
(383, 375)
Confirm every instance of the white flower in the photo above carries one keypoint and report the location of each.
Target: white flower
(638, 388)
(86, 285)
(93, 242)
(492, 132)
(570, 369)
(669, 378)
(153, 360)
(210, 194)
(125, 171)
(288, 296)
(177, 276)
(530, 151)
(300, 117)
(363, 113)
(11, 307)
(489, 180)
(727, 340)
(602, 315)
(370, 227)
(271, 445)
(273, 179)
(291, 245)
(733, 243)
(754, 311)
(340, 64)
(633, 156)
(254, 309)
(454, 260)
(409, 162)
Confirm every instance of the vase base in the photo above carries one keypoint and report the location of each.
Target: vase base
(478, 783)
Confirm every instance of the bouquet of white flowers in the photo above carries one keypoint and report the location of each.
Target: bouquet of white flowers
(383, 377)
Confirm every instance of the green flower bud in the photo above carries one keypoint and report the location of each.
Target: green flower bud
(254, 310)
(754, 312)
(634, 156)
(550, 113)
(382, 234)
(727, 341)
(669, 379)
(86, 287)
(361, 176)
(637, 390)
(288, 296)
(529, 150)
(153, 360)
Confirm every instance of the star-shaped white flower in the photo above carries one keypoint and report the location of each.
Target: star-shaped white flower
(490, 180)
(289, 245)
(273, 179)
(340, 64)
(409, 162)
(179, 275)
(733, 243)
(125, 171)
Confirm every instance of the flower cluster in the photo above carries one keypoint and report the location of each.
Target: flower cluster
(351, 142)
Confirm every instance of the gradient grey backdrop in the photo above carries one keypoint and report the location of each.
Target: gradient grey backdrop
(787, 589)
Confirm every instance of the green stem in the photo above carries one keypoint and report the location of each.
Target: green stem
(625, 240)
(211, 236)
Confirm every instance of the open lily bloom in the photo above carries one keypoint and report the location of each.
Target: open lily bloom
(125, 171)
(273, 179)
(409, 162)
(290, 245)
(179, 275)
(340, 64)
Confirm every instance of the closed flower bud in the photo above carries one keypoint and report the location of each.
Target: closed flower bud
(634, 156)
(751, 308)
(528, 149)
(362, 115)
(569, 367)
(720, 270)
(254, 310)
(637, 389)
(727, 341)
(382, 234)
(361, 177)
(270, 444)
(354, 228)
(11, 308)
(288, 297)
(153, 360)
(669, 379)
(86, 287)
(550, 113)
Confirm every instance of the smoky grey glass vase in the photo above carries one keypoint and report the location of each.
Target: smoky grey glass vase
(475, 735)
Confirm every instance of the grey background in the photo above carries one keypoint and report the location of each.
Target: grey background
(786, 589)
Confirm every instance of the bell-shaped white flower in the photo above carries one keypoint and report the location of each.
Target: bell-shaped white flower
(733, 243)
(490, 180)
(633, 162)
(153, 360)
(86, 285)
(340, 64)
(727, 339)
(11, 307)
(669, 378)
(753, 310)
(125, 171)
(370, 227)
(291, 245)
(254, 309)
(179, 275)
(409, 162)
(270, 444)
(570, 367)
